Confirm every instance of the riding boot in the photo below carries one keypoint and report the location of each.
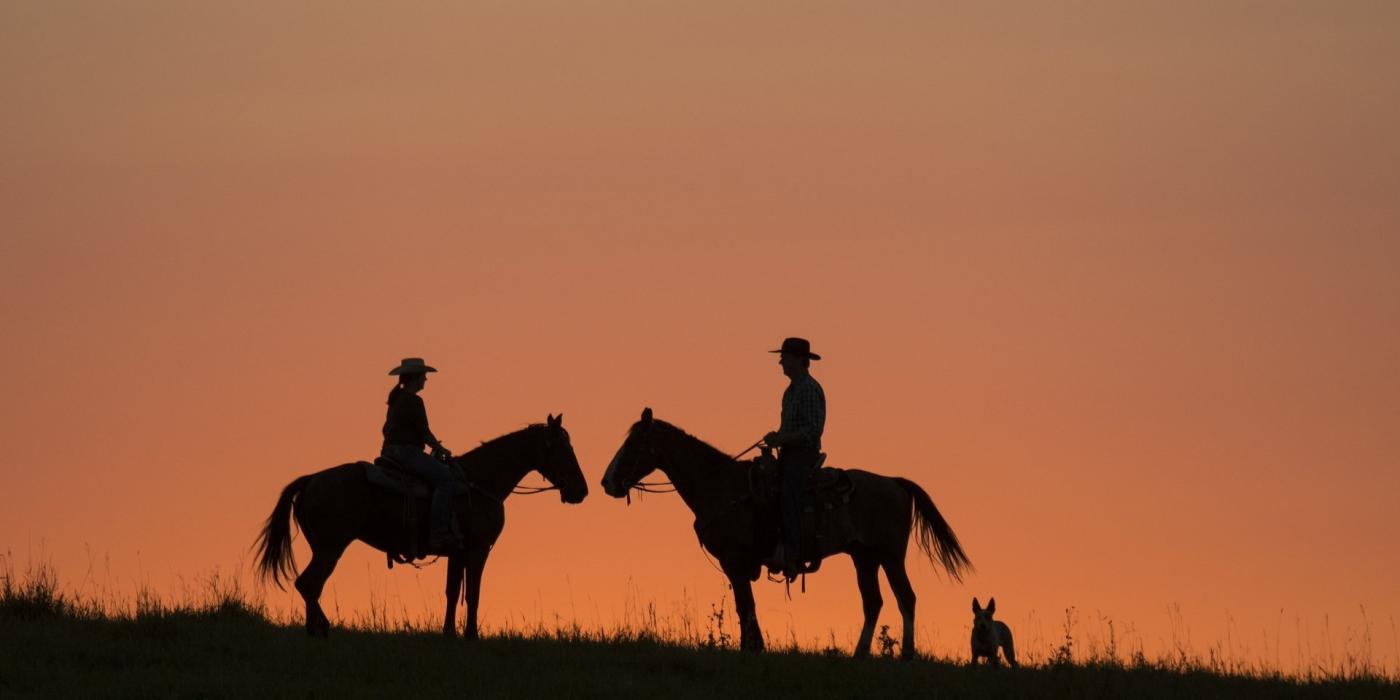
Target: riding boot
(445, 534)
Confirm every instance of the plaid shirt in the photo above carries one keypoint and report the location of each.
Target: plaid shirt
(804, 411)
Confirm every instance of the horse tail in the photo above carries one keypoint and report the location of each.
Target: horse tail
(935, 536)
(275, 560)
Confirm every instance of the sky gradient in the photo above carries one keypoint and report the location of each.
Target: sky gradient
(1117, 285)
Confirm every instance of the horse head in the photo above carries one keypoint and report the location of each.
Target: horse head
(558, 464)
(635, 459)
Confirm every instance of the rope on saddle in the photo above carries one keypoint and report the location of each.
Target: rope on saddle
(787, 582)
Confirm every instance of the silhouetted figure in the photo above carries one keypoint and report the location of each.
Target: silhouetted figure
(336, 506)
(873, 523)
(799, 442)
(989, 635)
(406, 432)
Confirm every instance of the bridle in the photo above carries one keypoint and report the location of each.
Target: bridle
(532, 490)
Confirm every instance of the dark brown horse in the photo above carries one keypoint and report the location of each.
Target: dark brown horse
(730, 522)
(339, 505)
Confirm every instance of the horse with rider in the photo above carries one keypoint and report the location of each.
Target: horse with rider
(383, 503)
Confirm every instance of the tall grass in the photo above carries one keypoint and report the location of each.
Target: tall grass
(35, 593)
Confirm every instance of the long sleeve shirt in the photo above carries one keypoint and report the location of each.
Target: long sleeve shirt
(804, 412)
(407, 422)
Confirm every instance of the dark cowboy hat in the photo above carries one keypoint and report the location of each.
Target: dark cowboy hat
(799, 347)
(412, 365)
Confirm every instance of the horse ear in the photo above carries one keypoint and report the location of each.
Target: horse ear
(559, 420)
(991, 605)
(551, 420)
(646, 415)
(976, 606)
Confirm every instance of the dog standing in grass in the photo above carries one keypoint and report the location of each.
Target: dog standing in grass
(988, 635)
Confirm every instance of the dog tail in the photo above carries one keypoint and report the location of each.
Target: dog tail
(936, 537)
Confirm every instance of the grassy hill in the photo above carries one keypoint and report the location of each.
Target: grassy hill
(52, 646)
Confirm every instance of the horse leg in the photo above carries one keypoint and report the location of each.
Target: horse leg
(476, 564)
(454, 591)
(904, 596)
(750, 636)
(868, 578)
(313, 580)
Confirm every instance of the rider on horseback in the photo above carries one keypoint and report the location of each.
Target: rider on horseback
(799, 441)
(405, 434)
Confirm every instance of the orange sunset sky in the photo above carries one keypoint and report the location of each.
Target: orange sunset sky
(1116, 283)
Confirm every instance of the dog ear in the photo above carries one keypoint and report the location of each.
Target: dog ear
(991, 605)
(976, 606)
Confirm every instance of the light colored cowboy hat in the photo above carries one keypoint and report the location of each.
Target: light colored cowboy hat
(411, 365)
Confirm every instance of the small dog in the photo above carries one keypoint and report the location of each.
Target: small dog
(989, 634)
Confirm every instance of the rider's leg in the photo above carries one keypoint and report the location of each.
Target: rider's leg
(440, 513)
(794, 463)
(442, 484)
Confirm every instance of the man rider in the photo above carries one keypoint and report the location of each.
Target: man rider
(798, 439)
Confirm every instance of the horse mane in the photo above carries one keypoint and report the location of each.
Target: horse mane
(703, 449)
(489, 451)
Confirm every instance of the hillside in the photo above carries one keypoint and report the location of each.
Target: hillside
(228, 650)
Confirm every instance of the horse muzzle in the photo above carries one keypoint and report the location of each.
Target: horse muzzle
(573, 496)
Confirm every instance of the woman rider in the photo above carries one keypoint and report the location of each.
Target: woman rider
(405, 434)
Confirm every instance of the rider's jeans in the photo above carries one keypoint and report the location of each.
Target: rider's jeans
(794, 464)
(439, 477)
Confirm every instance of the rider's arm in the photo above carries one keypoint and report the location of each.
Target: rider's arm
(427, 433)
(432, 440)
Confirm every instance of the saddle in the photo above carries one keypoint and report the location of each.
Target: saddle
(826, 519)
(386, 474)
(826, 488)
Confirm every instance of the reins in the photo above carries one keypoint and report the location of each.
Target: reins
(650, 487)
(531, 490)
(668, 487)
(750, 449)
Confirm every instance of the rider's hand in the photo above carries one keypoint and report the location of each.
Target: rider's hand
(771, 438)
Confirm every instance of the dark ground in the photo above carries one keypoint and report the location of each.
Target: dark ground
(230, 652)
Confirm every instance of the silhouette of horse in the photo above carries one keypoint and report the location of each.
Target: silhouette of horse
(336, 506)
(731, 524)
